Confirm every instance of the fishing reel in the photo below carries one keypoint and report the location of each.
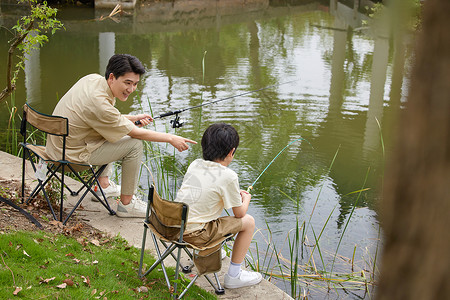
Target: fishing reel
(176, 123)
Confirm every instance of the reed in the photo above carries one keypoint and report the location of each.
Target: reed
(12, 132)
(159, 165)
(297, 275)
(293, 251)
(303, 275)
(203, 82)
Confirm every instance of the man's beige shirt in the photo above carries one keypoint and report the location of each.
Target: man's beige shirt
(93, 119)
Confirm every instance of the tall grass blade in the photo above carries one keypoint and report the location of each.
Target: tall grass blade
(349, 218)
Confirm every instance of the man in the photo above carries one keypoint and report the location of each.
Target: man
(99, 134)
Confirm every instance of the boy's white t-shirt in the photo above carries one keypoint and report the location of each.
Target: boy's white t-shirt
(208, 187)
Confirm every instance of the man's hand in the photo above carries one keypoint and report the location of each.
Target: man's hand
(141, 119)
(144, 119)
(180, 143)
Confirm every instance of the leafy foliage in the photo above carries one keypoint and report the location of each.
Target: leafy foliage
(30, 32)
(411, 8)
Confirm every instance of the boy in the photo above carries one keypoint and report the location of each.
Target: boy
(209, 187)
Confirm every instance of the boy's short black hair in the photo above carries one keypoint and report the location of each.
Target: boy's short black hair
(119, 64)
(218, 140)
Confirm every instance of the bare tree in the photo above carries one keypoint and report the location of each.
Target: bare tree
(416, 205)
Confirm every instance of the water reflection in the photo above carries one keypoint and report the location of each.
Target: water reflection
(33, 76)
(107, 47)
(344, 80)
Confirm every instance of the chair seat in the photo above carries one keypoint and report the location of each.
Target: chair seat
(40, 152)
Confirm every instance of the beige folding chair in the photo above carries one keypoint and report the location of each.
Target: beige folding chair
(166, 221)
(58, 126)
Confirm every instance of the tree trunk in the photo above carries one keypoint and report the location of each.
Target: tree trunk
(416, 206)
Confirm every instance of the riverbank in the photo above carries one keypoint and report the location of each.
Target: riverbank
(96, 216)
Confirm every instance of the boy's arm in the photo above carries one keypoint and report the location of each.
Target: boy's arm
(241, 211)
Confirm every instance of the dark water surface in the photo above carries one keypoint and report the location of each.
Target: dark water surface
(335, 87)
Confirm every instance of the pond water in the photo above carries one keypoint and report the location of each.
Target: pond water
(337, 87)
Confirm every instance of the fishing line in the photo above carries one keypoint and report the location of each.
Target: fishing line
(176, 122)
(296, 140)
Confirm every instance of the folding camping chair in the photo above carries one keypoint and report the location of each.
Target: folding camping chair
(58, 126)
(166, 221)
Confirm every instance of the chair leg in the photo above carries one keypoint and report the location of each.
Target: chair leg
(103, 200)
(40, 187)
(75, 207)
(177, 272)
(186, 269)
(72, 193)
(188, 286)
(219, 290)
(141, 261)
(94, 178)
(88, 185)
(158, 252)
(61, 203)
(160, 259)
(23, 173)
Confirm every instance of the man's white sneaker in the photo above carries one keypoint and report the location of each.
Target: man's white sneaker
(245, 278)
(223, 253)
(113, 190)
(135, 209)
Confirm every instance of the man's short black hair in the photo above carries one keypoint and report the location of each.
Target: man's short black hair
(119, 64)
(218, 140)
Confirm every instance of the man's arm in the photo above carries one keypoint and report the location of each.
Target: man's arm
(180, 143)
(241, 211)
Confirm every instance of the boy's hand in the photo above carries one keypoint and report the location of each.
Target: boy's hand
(241, 211)
(246, 196)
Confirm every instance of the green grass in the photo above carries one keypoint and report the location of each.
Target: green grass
(43, 265)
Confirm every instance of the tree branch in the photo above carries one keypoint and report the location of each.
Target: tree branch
(9, 86)
(14, 281)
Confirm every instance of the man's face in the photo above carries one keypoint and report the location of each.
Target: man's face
(123, 86)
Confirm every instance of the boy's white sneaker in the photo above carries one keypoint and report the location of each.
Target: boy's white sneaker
(113, 190)
(245, 278)
(135, 209)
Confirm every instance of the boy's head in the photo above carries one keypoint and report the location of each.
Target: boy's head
(218, 140)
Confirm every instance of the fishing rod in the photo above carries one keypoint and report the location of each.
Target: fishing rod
(276, 156)
(176, 123)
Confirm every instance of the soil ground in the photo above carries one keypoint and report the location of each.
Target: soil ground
(12, 219)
